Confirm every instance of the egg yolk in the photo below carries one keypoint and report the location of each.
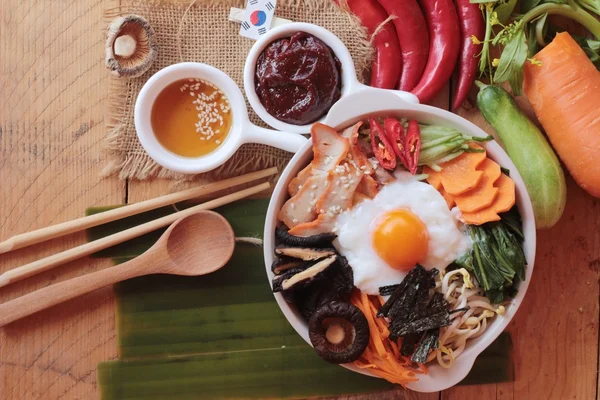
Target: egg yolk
(401, 239)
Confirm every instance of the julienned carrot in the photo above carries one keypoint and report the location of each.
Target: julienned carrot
(382, 356)
(564, 92)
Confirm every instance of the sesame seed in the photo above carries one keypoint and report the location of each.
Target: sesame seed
(299, 187)
(309, 209)
(292, 206)
(295, 221)
(217, 141)
(343, 197)
(346, 186)
(313, 187)
(321, 211)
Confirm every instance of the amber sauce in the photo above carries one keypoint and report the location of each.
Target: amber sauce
(191, 117)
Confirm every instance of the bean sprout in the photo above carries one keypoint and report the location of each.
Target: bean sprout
(460, 292)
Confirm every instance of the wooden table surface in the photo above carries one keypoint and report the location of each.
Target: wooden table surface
(53, 91)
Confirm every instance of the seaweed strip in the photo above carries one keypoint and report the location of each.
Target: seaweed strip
(408, 343)
(410, 279)
(430, 341)
(435, 320)
(388, 290)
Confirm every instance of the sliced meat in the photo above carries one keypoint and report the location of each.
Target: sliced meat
(358, 198)
(329, 148)
(323, 224)
(301, 207)
(351, 132)
(296, 183)
(337, 198)
(381, 175)
(368, 187)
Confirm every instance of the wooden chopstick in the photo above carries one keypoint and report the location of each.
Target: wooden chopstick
(65, 228)
(120, 237)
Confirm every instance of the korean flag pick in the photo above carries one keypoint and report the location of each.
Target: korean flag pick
(257, 18)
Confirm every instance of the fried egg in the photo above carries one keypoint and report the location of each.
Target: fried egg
(408, 222)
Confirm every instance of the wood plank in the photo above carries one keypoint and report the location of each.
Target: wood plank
(51, 129)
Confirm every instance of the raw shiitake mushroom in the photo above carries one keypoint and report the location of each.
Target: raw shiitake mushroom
(130, 46)
(339, 332)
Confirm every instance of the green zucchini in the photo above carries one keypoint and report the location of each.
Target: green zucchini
(529, 151)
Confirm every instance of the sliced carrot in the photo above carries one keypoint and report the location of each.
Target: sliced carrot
(484, 194)
(382, 356)
(460, 174)
(503, 202)
(506, 194)
(434, 178)
(480, 217)
(448, 197)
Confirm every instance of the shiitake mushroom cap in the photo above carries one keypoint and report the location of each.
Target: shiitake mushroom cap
(130, 46)
(339, 332)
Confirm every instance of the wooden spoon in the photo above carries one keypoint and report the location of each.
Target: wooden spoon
(194, 245)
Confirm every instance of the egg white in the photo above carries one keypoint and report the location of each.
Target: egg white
(355, 232)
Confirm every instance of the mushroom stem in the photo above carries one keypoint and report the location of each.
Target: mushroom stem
(125, 46)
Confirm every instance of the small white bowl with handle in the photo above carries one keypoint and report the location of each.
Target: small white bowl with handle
(350, 84)
(242, 130)
(358, 107)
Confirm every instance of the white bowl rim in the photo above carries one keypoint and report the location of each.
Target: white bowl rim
(437, 378)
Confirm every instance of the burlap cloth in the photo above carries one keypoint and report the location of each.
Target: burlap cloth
(207, 36)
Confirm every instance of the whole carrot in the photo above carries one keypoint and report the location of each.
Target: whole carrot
(386, 68)
(564, 91)
(471, 24)
(413, 37)
(444, 39)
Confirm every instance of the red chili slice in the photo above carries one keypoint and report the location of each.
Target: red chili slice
(383, 150)
(413, 146)
(395, 135)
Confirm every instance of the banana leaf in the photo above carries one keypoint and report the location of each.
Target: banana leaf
(221, 335)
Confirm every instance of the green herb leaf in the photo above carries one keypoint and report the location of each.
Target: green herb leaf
(527, 5)
(504, 10)
(592, 5)
(591, 48)
(512, 60)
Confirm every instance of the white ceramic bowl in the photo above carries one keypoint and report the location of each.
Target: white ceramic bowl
(385, 103)
(350, 83)
(242, 130)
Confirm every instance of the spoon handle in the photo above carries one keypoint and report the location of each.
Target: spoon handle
(63, 291)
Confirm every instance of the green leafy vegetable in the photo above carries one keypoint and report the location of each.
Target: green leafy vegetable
(522, 38)
(512, 60)
(504, 10)
(497, 259)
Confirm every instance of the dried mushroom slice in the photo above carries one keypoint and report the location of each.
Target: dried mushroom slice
(299, 277)
(304, 253)
(282, 264)
(315, 241)
(339, 332)
(130, 46)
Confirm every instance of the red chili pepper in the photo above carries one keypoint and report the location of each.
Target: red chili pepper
(444, 36)
(413, 146)
(383, 150)
(471, 24)
(386, 68)
(413, 37)
(395, 135)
